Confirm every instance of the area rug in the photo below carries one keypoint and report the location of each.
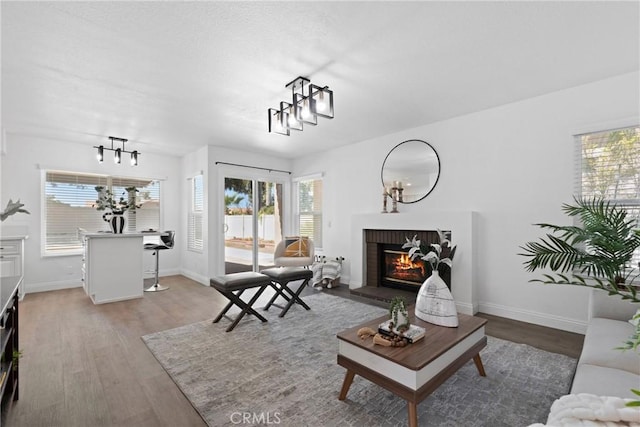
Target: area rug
(284, 372)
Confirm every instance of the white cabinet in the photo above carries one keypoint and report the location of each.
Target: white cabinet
(112, 267)
(11, 259)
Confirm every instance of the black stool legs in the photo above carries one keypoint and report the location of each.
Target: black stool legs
(282, 288)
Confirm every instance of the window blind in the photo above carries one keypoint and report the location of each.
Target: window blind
(609, 168)
(310, 210)
(195, 219)
(69, 204)
(147, 216)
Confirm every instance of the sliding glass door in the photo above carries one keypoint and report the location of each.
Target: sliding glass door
(253, 217)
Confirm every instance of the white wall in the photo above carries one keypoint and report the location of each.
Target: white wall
(194, 264)
(21, 178)
(512, 165)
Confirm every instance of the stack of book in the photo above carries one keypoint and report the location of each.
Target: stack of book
(411, 335)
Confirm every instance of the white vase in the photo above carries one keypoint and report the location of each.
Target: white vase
(435, 303)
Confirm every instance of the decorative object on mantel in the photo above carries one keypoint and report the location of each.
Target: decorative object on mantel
(395, 193)
(116, 208)
(13, 208)
(385, 194)
(117, 157)
(410, 171)
(396, 196)
(434, 303)
(308, 101)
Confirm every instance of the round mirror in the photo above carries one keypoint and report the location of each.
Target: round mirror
(412, 166)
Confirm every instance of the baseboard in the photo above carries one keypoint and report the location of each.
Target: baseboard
(542, 319)
(466, 308)
(203, 280)
(169, 272)
(30, 288)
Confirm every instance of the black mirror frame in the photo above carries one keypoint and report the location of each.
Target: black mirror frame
(437, 158)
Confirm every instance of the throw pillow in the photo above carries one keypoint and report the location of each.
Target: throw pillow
(296, 247)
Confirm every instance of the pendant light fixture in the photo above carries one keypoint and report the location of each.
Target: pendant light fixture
(117, 157)
(308, 101)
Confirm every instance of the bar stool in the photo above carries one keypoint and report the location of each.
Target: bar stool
(167, 239)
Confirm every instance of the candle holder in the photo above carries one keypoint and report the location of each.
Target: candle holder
(385, 194)
(394, 200)
(400, 194)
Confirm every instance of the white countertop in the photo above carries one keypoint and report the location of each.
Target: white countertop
(14, 232)
(14, 237)
(107, 234)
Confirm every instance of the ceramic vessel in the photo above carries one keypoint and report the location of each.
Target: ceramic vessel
(435, 303)
(402, 321)
(116, 222)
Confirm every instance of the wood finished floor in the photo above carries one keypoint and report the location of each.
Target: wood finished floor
(85, 364)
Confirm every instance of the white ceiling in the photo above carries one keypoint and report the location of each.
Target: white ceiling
(175, 76)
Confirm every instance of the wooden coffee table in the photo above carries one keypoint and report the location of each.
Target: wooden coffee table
(415, 371)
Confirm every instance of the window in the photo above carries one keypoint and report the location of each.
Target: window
(69, 198)
(310, 210)
(194, 232)
(610, 168)
(147, 216)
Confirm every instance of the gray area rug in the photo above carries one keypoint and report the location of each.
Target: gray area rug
(284, 372)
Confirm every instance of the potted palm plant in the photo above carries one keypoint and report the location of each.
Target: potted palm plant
(596, 254)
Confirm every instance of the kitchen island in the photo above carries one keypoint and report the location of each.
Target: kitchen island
(112, 266)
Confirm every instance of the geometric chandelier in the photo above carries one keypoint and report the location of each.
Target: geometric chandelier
(308, 102)
(117, 157)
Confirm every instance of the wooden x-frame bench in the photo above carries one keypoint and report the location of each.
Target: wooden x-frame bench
(280, 279)
(232, 286)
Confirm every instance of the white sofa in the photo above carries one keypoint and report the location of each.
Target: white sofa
(604, 376)
(603, 370)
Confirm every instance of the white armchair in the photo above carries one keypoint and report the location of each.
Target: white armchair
(283, 258)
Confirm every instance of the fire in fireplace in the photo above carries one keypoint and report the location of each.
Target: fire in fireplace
(398, 270)
(382, 247)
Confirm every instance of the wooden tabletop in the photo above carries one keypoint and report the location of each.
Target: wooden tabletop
(436, 341)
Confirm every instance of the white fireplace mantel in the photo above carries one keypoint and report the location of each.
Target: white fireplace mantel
(462, 226)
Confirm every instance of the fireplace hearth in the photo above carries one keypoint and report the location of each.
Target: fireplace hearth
(388, 265)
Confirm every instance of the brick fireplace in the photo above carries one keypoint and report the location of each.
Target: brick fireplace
(463, 228)
(388, 265)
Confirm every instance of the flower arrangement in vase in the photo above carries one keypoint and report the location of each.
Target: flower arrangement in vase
(434, 303)
(116, 207)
